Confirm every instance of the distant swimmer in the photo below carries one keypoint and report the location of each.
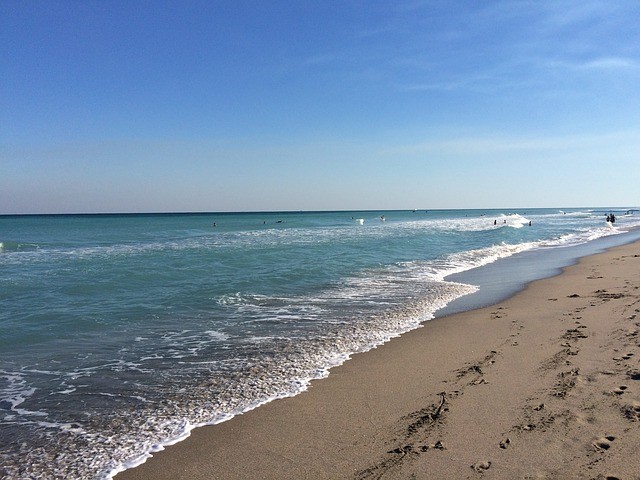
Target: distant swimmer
(214, 224)
(382, 218)
(529, 222)
(495, 222)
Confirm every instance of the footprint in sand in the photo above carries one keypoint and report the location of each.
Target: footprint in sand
(619, 390)
(603, 443)
(631, 412)
(481, 466)
(574, 334)
(432, 446)
(481, 381)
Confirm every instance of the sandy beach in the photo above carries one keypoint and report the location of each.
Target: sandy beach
(544, 385)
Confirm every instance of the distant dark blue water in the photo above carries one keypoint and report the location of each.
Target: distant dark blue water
(120, 333)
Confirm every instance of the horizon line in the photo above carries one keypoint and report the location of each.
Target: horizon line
(248, 212)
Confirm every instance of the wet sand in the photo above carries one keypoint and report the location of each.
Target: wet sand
(543, 385)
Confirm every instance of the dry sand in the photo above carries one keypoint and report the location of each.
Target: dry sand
(543, 385)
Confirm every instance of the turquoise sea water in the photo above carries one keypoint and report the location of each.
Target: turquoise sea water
(120, 333)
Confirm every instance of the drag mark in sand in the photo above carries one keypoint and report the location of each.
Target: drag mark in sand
(426, 417)
(417, 435)
(422, 422)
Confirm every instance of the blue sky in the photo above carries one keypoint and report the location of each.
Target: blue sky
(130, 106)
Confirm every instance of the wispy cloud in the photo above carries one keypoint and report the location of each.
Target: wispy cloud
(502, 77)
(435, 86)
(570, 13)
(608, 63)
(494, 145)
(597, 64)
(321, 59)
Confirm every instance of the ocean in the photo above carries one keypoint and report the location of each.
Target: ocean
(122, 333)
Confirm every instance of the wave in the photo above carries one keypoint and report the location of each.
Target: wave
(290, 236)
(9, 247)
(301, 360)
(285, 372)
(15, 391)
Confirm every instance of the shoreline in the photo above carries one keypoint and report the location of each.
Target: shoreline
(447, 396)
(506, 277)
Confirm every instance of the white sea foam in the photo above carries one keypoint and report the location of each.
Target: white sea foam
(64, 392)
(313, 360)
(216, 335)
(16, 392)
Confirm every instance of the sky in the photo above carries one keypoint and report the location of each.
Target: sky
(189, 105)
